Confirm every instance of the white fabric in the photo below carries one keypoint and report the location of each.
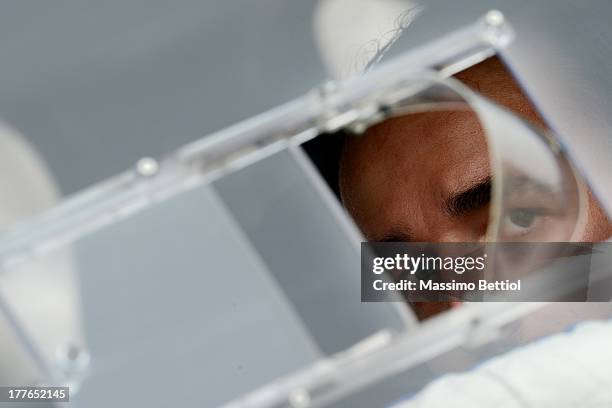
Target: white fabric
(569, 370)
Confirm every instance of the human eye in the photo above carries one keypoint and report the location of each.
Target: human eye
(533, 211)
(520, 223)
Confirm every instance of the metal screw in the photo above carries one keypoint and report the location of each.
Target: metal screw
(72, 359)
(147, 167)
(494, 18)
(299, 399)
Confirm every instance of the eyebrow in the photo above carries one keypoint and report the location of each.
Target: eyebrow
(522, 184)
(396, 236)
(472, 198)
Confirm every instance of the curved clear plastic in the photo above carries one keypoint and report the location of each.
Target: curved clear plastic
(536, 196)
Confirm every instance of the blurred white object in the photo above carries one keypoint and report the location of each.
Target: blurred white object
(566, 370)
(26, 187)
(44, 304)
(351, 34)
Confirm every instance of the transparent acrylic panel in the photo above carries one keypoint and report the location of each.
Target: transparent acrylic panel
(173, 297)
(189, 293)
(301, 232)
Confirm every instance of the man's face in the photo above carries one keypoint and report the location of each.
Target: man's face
(426, 177)
(421, 178)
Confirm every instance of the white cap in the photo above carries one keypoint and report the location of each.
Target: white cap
(41, 293)
(351, 34)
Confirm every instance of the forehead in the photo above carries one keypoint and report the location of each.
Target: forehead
(405, 162)
(493, 80)
(427, 131)
(417, 160)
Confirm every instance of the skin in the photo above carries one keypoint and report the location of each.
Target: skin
(401, 181)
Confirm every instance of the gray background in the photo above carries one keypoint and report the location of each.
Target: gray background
(95, 85)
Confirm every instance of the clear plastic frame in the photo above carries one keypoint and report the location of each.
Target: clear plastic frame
(254, 301)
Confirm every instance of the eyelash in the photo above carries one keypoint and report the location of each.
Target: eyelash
(480, 198)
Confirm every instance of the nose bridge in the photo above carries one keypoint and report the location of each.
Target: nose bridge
(458, 235)
(453, 233)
